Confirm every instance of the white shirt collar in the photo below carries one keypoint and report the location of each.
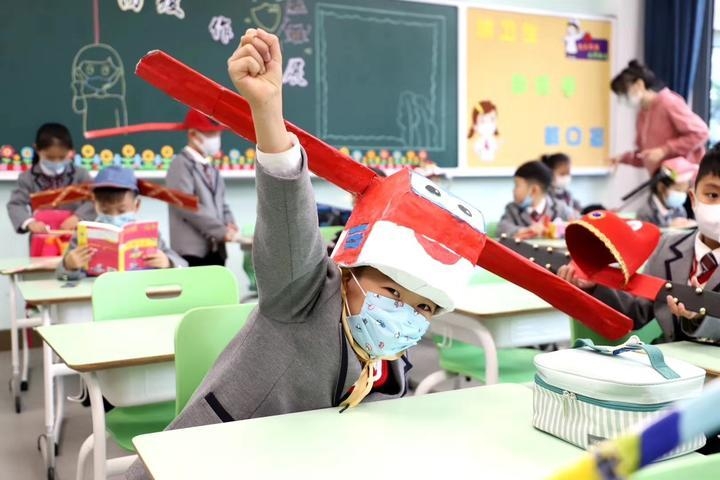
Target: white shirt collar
(195, 155)
(540, 208)
(701, 249)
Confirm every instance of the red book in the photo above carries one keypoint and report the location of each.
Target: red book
(118, 249)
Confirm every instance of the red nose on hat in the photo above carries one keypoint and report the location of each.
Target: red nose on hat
(201, 122)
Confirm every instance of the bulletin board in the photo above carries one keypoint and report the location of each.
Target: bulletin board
(536, 83)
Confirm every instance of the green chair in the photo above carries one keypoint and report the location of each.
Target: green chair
(647, 333)
(142, 294)
(691, 467)
(491, 229)
(201, 336)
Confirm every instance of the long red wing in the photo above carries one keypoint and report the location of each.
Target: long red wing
(199, 92)
(172, 197)
(591, 312)
(60, 196)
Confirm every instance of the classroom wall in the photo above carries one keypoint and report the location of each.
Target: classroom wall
(488, 194)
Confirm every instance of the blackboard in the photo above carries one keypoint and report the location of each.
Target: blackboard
(364, 75)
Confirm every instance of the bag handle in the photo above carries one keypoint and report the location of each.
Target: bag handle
(633, 344)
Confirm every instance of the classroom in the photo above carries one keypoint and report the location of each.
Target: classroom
(335, 239)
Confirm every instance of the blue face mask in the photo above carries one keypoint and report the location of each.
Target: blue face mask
(675, 199)
(117, 220)
(526, 203)
(386, 327)
(52, 168)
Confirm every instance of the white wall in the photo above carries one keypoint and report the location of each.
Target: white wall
(489, 194)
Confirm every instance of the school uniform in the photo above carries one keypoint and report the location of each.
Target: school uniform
(292, 354)
(678, 257)
(653, 211)
(62, 273)
(516, 218)
(35, 180)
(198, 237)
(564, 195)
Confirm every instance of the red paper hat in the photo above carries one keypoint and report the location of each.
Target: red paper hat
(201, 122)
(602, 238)
(681, 169)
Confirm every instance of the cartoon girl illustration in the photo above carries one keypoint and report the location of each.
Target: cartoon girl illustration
(572, 36)
(484, 130)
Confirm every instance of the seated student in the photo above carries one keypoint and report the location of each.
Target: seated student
(115, 196)
(309, 344)
(665, 205)
(690, 257)
(559, 163)
(50, 169)
(534, 213)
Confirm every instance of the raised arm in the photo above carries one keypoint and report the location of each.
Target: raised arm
(288, 251)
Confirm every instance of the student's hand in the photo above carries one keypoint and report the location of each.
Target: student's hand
(256, 69)
(70, 223)
(37, 227)
(157, 260)
(230, 235)
(526, 234)
(651, 157)
(77, 258)
(678, 309)
(570, 274)
(234, 228)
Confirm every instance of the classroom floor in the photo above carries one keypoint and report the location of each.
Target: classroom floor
(19, 456)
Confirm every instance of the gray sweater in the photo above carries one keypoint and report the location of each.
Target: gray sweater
(291, 355)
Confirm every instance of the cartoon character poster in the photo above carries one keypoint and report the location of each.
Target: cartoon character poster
(536, 84)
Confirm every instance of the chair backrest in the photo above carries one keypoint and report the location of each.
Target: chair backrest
(201, 336)
(647, 334)
(168, 291)
(329, 233)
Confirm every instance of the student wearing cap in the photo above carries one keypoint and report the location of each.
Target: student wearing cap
(200, 237)
(665, 206)
(116, 198)
(326, 332)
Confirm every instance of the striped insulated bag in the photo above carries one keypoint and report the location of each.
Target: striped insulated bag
(591, 393)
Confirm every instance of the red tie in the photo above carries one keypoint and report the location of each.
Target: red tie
(708, 264)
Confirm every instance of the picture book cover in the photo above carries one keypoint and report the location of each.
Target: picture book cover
(118, 249)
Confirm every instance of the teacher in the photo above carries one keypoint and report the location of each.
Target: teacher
(665, 125)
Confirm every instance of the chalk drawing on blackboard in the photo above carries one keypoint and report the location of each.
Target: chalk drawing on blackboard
(484, 131)
(429, 101)
(296, 7)
(131, 5)
(221, 29)
(170, 7)
(416, 119)
(297, 33)
(267, 16)
(294, 74)
(98, 85)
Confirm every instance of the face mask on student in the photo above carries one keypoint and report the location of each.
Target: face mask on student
(631, 100)
(708, 219)
(386, 327)
(51, 168)
(117, 220)
(675, 199)
(210, 145)
(562, 181)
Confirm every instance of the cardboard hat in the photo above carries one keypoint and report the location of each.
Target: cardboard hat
(681, 170)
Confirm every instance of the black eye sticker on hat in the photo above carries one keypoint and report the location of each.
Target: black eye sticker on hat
(465, 210)
(433, 189)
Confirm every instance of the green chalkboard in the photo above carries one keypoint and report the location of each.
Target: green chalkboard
(364, 75)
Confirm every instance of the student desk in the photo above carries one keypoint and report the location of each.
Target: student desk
(16, 269)
(89, 348)
(483, 432)
(706, 357)
(498, 315)
(56, 298)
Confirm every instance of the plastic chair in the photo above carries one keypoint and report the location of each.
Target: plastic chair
(691, 467)
(201, 336)
(647, 334)
(491, 229)
(121, 295)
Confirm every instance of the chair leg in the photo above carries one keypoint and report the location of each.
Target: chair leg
(431, 381)
(85, 449)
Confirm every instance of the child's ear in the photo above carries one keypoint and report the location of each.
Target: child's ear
(691, 194)
(137, 203)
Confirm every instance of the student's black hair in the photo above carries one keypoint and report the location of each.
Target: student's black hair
(633, 72)
(663, 179)
(591, 208)
(112, 195)
(536, 172)
(710, 164)
(50, 134)
(554, 160)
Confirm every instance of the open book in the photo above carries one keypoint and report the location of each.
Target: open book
(118, 248)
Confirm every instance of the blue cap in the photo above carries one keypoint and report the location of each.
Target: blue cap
(116, 177)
